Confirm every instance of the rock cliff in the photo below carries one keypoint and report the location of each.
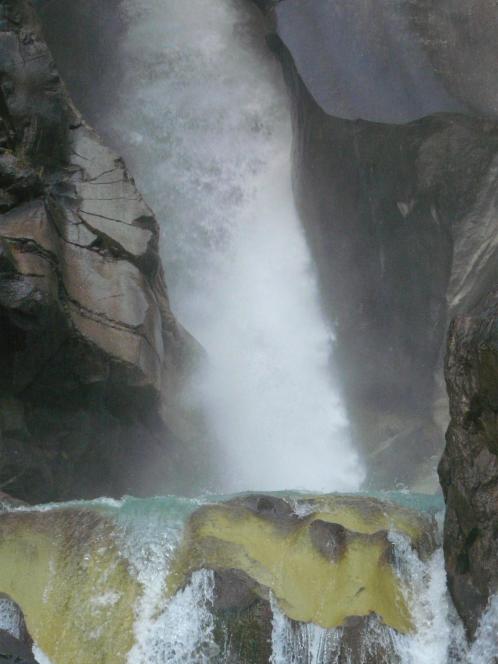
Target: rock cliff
(92, 358)
(402, 221)
(469, 467)
(401, 218)
(393, 62)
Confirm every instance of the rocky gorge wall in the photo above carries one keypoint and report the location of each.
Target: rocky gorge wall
(395, 129)
(395, 160)
(469, 467)
(93, 361)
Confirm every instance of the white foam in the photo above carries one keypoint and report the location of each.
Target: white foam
(484, 650)
(10, 617)
(182, 632)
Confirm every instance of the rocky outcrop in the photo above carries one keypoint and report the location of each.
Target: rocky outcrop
(101, 583)
(402, 222)
(401, 219)
(469, 467)
(92, 358)
(332, 564)
(394, 63)
(65, 570)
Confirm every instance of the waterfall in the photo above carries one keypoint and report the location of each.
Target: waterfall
(182, 629)
(203, 121)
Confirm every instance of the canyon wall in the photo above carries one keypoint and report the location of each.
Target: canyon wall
(93, 361)
(395, 160)
(469, 467)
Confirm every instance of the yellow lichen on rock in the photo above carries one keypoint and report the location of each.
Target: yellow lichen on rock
(364, 514)
(63, 569)
(324, 567)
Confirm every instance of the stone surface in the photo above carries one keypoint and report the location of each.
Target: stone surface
(332, 563)
(14, 651)
(65, 570)
(90, 351)
(469, 467)
(394, 62)
(402, 224)
(81, 575)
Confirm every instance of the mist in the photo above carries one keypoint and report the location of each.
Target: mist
(204, 122)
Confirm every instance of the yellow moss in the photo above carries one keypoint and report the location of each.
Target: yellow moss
(368, 515)
(279, 554)
(63, 567)
(64, 571)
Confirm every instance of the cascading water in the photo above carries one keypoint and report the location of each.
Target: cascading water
(204, 123)
(182, 629)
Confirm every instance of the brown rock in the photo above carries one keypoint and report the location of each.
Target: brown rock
(469, 467)
(86, 331)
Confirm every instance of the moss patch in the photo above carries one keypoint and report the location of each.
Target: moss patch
(324, 567)
(65, 572)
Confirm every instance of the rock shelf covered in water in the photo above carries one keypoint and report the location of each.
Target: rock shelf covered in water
(329, 560)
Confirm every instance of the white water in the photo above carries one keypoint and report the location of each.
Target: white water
(182, 633)
(10, 618)
(204, 123)
(438, 637)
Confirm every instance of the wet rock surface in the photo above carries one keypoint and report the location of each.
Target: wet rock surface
(14, 651)
(92, 358)
(84, 577)
(325, 561)
(469, 467)
(401, 220)
(76, 590)
(393, 63)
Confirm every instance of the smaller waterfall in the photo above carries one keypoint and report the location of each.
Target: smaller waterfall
(439, 636)
(311, 644)
(182, 633)
(182, 629)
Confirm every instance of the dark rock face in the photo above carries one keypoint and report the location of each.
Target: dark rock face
(469, 467)
(14, 651)
(402, 223)
(92, 358)
(8, 502)
(243, 628)
(394, 62)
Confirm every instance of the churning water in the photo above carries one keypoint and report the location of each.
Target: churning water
(204, 123)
